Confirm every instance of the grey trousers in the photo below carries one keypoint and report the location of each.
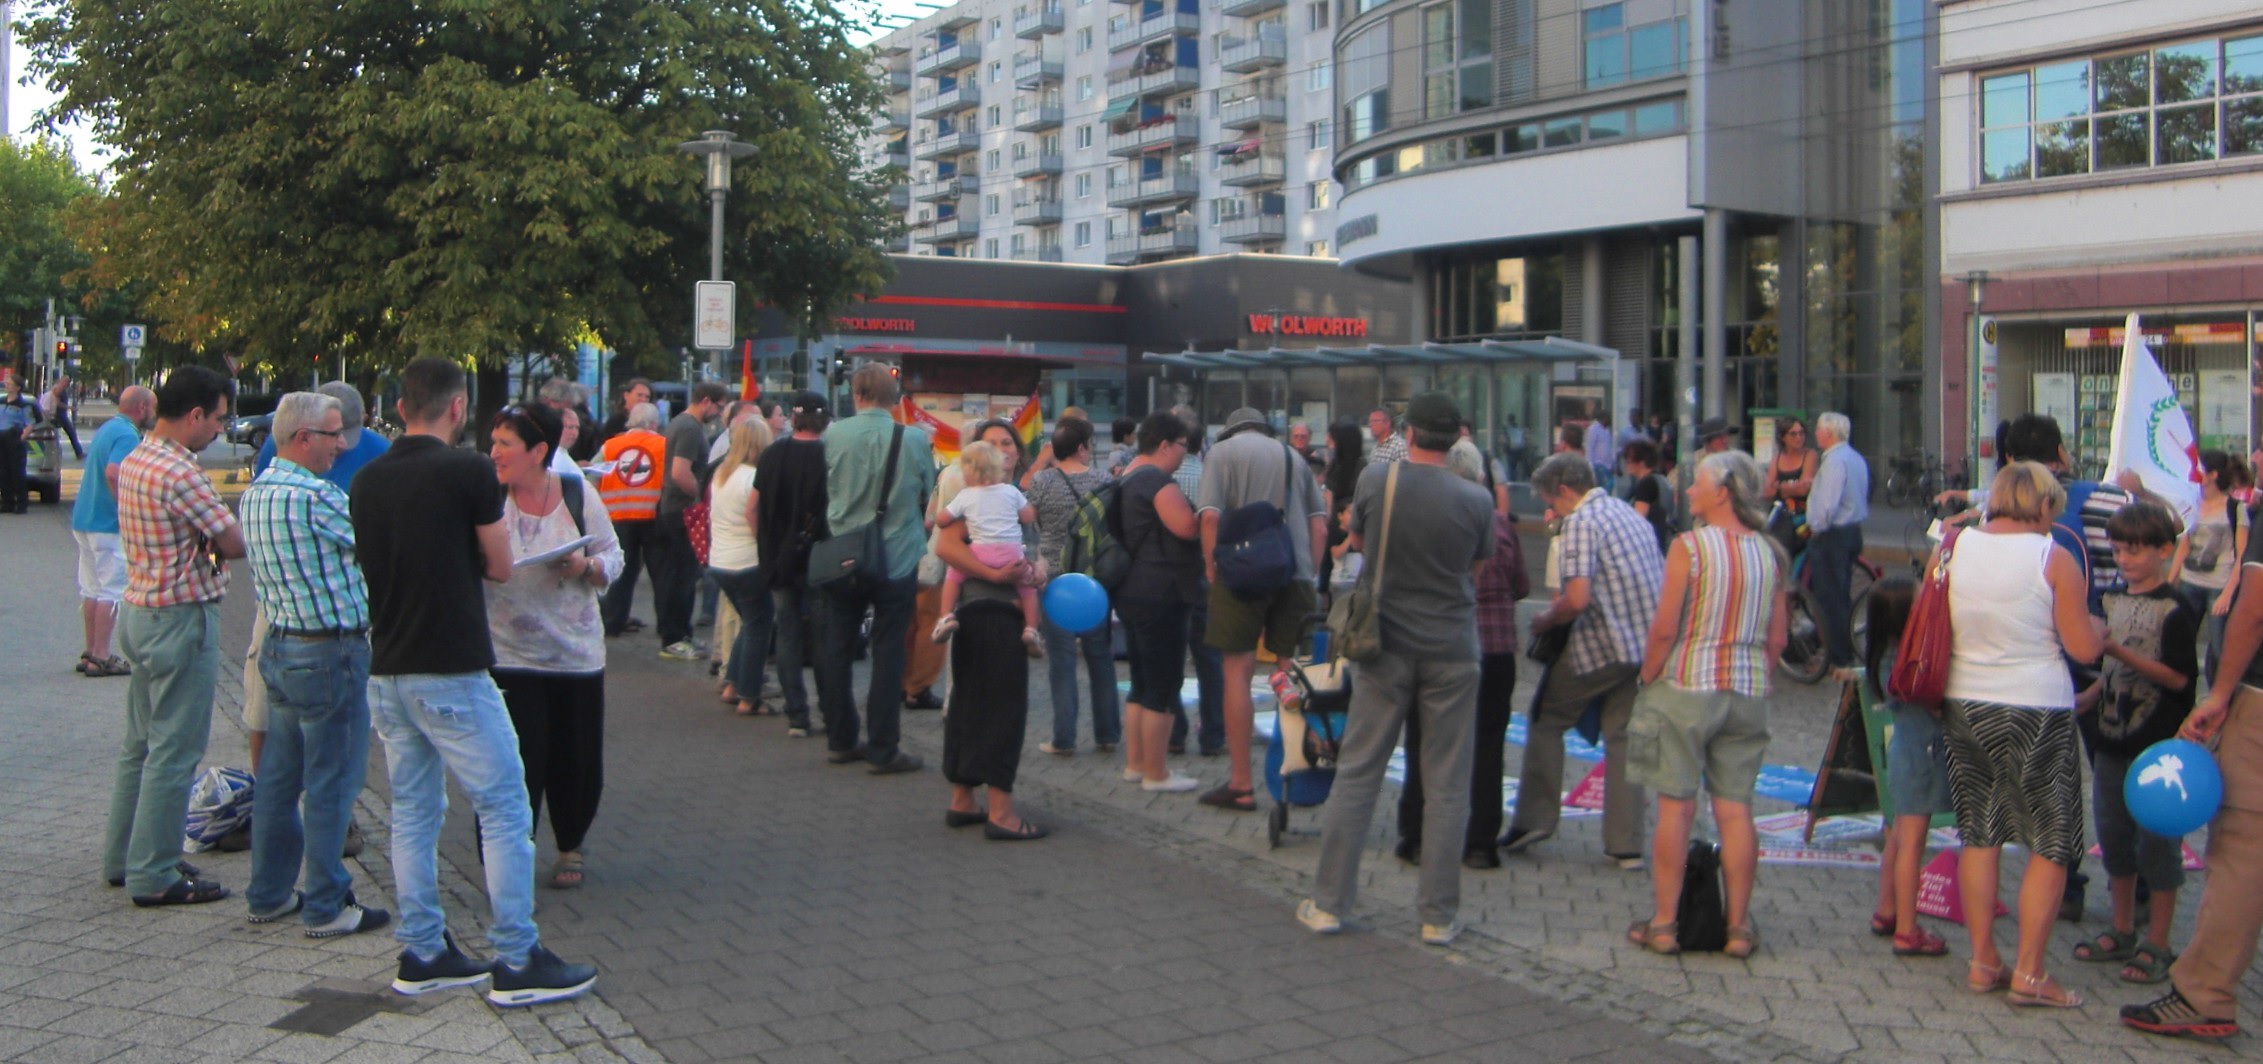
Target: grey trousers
(1443, 694)
(1540, 789)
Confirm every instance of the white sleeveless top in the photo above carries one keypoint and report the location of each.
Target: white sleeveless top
(2000, 610)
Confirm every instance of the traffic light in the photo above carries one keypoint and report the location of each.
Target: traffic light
(62, 351)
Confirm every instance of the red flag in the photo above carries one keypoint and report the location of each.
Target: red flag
(749, 388)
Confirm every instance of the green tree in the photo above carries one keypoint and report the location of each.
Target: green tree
(38, 183)
(468, 178)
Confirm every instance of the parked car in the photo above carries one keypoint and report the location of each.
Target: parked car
(253, 418)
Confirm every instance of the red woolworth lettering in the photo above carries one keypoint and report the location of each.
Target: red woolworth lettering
(1307, 325)
(876, 325)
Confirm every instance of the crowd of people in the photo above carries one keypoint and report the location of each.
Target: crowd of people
(462, 604)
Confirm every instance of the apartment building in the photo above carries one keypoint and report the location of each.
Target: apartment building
(2098, 159)
(1110, 133)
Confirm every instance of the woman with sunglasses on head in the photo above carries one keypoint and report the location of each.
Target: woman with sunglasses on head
(549, 640)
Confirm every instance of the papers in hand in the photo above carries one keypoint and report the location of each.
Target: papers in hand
(556, 553)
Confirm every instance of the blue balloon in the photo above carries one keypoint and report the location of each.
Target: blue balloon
(1076, 602)
(2173, 788)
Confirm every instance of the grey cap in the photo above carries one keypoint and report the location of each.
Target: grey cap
(1246, 416)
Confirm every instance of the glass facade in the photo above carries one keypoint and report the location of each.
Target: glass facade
(2188, 102)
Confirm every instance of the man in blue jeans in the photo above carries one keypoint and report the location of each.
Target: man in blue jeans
(299, 539)
(428, 523)
(858, 485)
(1836, 508)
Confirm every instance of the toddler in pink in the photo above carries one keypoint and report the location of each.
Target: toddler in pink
(994, 512)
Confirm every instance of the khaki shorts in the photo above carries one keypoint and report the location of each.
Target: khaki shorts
(1677, 737)
(1283, 618)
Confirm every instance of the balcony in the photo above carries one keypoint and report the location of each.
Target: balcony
(964, 97)
(1245, 54)
(1167, 24)
(898, 244)
(1037, 24)
(899, 197)
(895, 80)
(958, 56)
(945, 145)
(891, 120)
(955, 18)
(945, 188)
(1249, 112)
(1031, 71)
(1253, 169)
(1169, 132)
(1251, 8)
(1047, 253)
(1253, 229)
(901, 160)
(1038, 118)
(1168, 188)
(1037, 212)
(1029, 166)
(948, 231)
(1169, 243)
(1167, 81)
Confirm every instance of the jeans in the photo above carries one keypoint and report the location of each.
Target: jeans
(175, 652)
(636, 541)
(318, 746)
(843, 603)
(750, 595)
(710, 592)
(1830, 571)
(675, 578)
(1061, 648)
(1209, 681)
(786, 616)
(1390, 690)
(456, 723)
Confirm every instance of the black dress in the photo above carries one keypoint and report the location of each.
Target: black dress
(989, 710)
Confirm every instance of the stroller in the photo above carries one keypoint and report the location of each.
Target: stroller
(1300, 762)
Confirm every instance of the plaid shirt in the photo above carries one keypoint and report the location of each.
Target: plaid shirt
(1499, 585)
(299, 539)
(167, 516)
(1390, 450)
(1614, 548)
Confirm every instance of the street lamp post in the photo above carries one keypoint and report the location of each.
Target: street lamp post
(719, 146)
(1976, 283)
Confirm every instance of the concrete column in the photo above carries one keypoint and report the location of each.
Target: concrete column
(1419, 328)
(1685, 367)
(1716, 311)
(1591, 291)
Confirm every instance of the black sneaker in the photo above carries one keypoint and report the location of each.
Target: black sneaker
(545, 978)
(2171, 1014)
(449, 969)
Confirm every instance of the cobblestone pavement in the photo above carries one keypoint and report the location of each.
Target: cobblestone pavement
(748, 902)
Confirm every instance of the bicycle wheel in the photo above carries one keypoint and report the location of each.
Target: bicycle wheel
(1805, 658)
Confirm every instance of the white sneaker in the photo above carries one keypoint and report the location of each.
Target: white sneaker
(1318, 922)
(1434, 935)
(681, 650)
(944, 628)
(1171, 784)
(1133, 775)
(1628, 862)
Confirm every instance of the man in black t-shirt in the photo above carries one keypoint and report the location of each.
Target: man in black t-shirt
(675, 579)
(790, 478)
(428, 525)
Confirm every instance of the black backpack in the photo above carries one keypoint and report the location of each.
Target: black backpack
(1704, 909)
(1096, 543)
(1256, 553)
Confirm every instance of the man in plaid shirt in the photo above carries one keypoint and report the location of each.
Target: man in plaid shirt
(1611, 574)
(315, 663)
(176, 532)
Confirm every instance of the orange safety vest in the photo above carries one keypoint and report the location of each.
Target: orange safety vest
(631, 490)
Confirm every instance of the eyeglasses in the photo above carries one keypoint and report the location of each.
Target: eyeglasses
(332, 433)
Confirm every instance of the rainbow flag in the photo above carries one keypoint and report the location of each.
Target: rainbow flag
(1027, 422)
(945, 439)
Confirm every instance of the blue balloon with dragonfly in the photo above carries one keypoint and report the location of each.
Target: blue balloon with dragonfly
(2174, 788)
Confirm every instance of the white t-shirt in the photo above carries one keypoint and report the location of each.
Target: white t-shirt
(992, 513)
(731, 542)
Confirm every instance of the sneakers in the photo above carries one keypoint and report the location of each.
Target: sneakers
(1435, 935)
(944, 628)
(1319, 923)
(451, 968)
(1171, 784)
(680, 650)
(297, 902)
(1519, 840)
(1628, 862)
(1133, 775)
(1035, 642)
(352, 919)
(2171, 1014)
(544, 978)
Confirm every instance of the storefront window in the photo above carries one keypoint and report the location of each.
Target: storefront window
(1221, 395)
(1358, 390)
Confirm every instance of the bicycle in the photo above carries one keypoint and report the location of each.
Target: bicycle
(1912, 477)
(1806, 655)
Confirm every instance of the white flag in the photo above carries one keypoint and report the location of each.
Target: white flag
(2152, 437)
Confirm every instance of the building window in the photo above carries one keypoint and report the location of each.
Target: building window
(996, 28)
(994, 115)
(1364, 88)
(2195, 101)
(1474, 296)
(1084, 40)
(1317, 78)
(1115, 176)
(1317, 15)
(990, 205)
(1084, 136)
(1084, 186)
(1050, 144)
(1319, 248)
(1316, 196)
(1617, 52)
(1084, 88)
(1084, 234)
(992, 164)
(1319, 130)
(990, 248)
(997, 71)
(1457, 57)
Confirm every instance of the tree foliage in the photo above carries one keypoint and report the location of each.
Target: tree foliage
(464, 177)
(38, 183)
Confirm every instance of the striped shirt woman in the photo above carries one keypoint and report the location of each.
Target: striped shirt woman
(1732, 580)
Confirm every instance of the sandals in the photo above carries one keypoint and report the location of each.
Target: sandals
(2110, 945)
(1224, 796)
(1025, 831)
(567, 873)
(1882, 924)
(187, 890)
(1922, 944)
(1985, 978)
(2150, 963)
(2041, 991)
(94, 668)
(956, 819)
(1744, 940)
(1662, 939)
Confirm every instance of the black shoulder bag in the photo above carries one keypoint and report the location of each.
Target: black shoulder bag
(864, 549)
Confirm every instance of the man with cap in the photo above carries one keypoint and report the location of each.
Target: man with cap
(1431, 531)
(1714, 435)
(1247, 465)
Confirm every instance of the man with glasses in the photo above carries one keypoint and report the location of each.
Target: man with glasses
(314, 660)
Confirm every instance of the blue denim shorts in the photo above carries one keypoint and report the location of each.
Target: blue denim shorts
(1917, 763)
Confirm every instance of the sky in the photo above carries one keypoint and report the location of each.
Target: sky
(24, 101)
